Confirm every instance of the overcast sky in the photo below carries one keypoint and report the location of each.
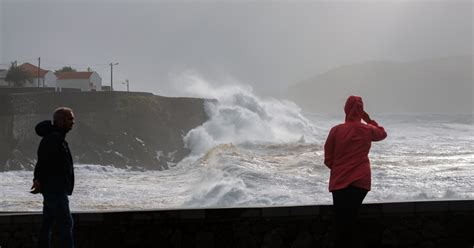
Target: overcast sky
(266, 44)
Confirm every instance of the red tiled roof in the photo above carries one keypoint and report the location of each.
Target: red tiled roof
(33, 70)
(73, 75)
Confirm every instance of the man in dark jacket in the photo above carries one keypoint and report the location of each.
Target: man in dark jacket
(54, 176)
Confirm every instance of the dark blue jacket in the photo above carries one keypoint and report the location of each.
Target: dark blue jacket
(54, 169)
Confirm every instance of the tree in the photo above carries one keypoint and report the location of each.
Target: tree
(17, 76)
(66, 69)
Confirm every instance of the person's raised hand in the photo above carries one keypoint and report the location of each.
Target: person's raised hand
(365, 117)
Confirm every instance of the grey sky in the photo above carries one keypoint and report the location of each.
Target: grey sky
(1, 33)
(266, 44)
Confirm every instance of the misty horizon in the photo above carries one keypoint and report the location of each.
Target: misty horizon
(269, 46)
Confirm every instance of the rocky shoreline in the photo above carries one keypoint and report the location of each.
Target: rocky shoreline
(137, 130)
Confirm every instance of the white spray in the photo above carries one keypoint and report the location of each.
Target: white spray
(239, 116)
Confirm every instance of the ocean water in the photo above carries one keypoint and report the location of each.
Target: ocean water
(267, 152)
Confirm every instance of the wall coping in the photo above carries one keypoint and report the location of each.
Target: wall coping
(386, 208)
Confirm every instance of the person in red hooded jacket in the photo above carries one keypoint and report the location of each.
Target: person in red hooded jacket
(346, 154)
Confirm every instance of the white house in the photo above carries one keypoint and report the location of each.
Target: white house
(84, 80)
(39, 78)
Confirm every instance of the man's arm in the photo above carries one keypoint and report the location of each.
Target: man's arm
(38, 172)
(329, 149)
(48, 150)
(378, 132)
(38, 175)
(43, 155)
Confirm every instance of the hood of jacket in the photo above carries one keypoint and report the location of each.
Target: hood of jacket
(45, 128)
(354, 108)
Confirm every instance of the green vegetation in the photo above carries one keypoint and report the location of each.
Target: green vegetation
(17, 76)
(66, 69)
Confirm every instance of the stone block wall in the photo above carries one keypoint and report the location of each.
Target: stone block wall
(384, 225)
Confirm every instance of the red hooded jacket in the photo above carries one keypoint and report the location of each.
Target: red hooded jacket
(346, 151)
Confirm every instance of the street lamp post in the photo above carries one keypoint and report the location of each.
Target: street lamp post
(127, 83)
(39, 71)
(112, 76)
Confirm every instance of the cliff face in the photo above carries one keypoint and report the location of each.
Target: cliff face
(112, 128)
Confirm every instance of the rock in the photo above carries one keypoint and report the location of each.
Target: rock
(112, 128)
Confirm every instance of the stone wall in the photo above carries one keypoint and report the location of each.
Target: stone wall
(14, 90)
(112, 128)
(444, 224)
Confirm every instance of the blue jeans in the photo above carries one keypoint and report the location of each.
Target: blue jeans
(56, 211)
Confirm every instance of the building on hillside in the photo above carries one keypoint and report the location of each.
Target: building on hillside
(39, 78)
(3, 75)
(84, 80)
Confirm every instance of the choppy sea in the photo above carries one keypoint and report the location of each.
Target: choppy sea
(267, 152)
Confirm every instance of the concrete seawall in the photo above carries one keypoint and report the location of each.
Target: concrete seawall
(408, 224)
